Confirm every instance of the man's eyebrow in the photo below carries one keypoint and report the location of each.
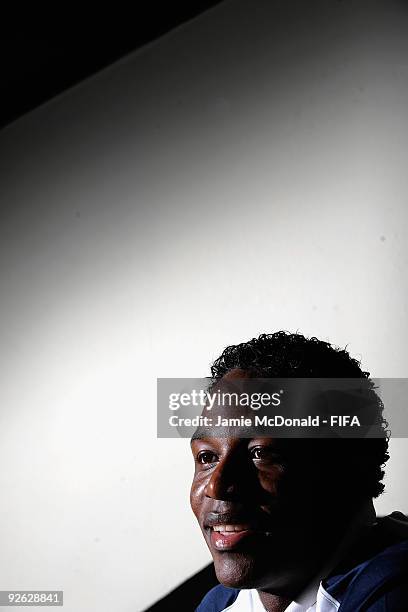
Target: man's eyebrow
(200, 434)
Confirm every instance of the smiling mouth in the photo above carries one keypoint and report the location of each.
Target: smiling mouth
(231, 536)
(230, 528)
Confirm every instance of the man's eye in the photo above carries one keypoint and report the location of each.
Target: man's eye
(206, 457)
(258, 453)
(262, 453)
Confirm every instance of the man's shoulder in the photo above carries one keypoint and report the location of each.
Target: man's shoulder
(219, 598)
(380, 581)
(395, 524)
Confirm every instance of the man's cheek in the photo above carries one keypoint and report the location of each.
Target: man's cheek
(195, 499)
(270, 483)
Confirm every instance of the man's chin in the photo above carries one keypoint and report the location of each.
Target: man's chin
(236, 571)
(239, 571)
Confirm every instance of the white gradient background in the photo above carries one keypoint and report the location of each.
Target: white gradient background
(243, 174)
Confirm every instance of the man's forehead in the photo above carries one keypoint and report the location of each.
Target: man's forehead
(237, 373)
(222, 435)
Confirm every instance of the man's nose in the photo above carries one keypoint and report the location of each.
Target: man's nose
(227, 480)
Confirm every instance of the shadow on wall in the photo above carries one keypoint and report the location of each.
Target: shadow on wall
(188, 595)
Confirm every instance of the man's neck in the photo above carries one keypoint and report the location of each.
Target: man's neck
(363, 518)
(273, 603)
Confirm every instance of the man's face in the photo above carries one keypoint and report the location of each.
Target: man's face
(235, 497)
(265, 510)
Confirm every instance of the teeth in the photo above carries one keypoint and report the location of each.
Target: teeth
(225, 528)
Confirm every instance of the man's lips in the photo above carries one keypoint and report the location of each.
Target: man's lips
(227, 533)
(227, 537)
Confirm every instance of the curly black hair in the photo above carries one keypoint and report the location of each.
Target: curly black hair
(292, 355)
